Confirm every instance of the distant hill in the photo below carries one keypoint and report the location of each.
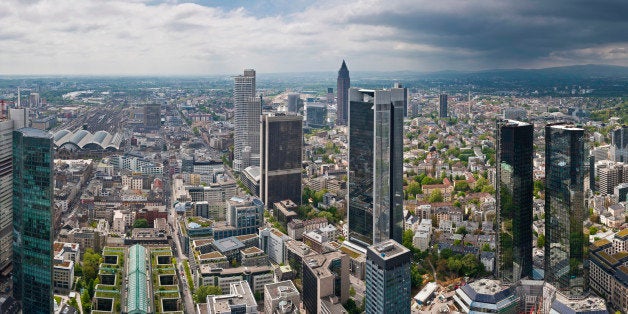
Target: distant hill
(575, 72)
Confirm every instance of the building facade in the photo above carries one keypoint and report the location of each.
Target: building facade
(442, 106)
(281, 157)
(33, 220)
(6, 197)
(152, 116)
(565, 212)
(342, 99)
(246, 120)
(388, 278)
(620, 144)
(514, 200)
(375, 195)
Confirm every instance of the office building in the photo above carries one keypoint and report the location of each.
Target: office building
(442, 108)
(375, 166)
(514, 200)
(152, 116)
(486, 296)
(619, 142)
(6, 195)
(293, 102)
(398, 88)
(564, 208)
(246, 120)
(388, 278)
(281, 298)
(20, 118)
(326, 280)
(342, 99)
(316, 115)
(281, 156)
(238, 299)
(33, 220)
(330, 95)
(244, 214)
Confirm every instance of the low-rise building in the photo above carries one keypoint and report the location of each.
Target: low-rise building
(281, 298)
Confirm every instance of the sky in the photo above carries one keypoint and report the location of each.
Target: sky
(207, 37)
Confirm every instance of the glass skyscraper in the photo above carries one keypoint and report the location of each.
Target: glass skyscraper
(280, 158)
(387, 278)
(565, 241)
(375, 166)
(32, 220)
(514, 200)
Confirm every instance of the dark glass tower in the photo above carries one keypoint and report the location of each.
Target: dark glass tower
(442, 108)
(281, 156)
(620, 144)
(514, 200)
(342, 88)
(387, 277)
(375, 166)
(32, 220)
(565, 241)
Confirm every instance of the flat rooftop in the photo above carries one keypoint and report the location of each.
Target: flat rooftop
(388, 249)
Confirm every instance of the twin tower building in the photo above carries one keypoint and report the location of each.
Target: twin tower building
(565, 213)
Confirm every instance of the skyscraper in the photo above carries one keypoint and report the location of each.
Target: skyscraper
(565, 242)
(442, 108)
(281, 157)
(33, 220)
(293, 102)
(387, 278)
(514, 200)
(342, 88)
(6, 194)
(620, 144)
(375, 195)
(398, 88)
(247, 112)
(152, 116)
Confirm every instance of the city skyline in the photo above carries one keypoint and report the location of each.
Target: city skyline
(211, 37)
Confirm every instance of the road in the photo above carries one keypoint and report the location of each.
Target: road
(187, 295)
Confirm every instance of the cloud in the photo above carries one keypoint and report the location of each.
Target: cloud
(219, 37)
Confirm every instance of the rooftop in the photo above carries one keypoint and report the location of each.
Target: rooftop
(281, 289)
(388, 249)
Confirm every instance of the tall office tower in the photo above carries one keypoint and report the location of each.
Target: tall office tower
(620, 144)
(565, 242)
(33, 220)
(152, 116)
(388, 278)
(293, 102)
(247, 112)
(398, 88)
(442, 109)
(342, 88)
(316, 115)
(375, 195)
(330, 95)
(281, 157)
(325, 282)
(6, 194)
(19, 117)
(514, 200)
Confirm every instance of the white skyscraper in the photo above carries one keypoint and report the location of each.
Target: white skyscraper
(247, 113)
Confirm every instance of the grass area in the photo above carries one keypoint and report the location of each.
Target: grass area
(57, 299)
(188, 275)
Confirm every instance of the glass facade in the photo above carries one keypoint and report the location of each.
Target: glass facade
(514, 200)
(32, 220)
(6, 193)
(388, 284)
(375, 166)
(281, 156)
(565, 241)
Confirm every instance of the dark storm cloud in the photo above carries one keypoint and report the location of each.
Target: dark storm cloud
(508, 31)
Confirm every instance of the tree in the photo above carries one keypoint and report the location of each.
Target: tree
(540, 241)
(201, 293)
(414, 188)
(436, 196)
(140, 223)
(352, 291)
(406, 239)
(91, 260)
